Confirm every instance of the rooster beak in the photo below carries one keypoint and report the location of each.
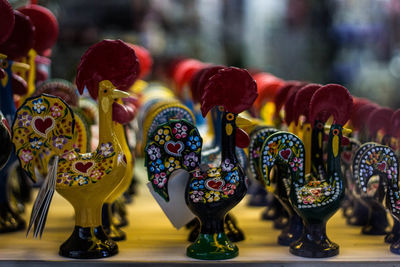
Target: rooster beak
(119, 94)
(20, 67)
(247, 124)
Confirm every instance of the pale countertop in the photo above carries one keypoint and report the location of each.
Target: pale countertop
(152, 239)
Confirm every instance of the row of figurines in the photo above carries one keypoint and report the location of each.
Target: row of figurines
(304, 176)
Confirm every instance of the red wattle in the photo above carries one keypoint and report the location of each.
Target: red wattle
(242, 138)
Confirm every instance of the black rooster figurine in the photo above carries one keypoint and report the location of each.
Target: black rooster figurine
(315, 199)
(210, 192)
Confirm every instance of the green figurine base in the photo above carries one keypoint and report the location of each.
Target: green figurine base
(212, 247)
(88, 243)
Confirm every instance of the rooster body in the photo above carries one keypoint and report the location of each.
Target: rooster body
(210, 191)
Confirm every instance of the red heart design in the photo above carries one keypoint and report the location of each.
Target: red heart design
(382, 166)
(43, 126)
(174, 148)
(83, 167)
(214, 184)
(285, 154)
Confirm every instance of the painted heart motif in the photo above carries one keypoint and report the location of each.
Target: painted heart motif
(214, 184)
(174, 148)
(83, 167)
(285, 154)
(382, 166)
(43, 125)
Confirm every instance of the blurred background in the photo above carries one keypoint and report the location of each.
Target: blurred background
(352, 42)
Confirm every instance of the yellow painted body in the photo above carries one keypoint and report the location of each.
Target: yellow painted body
(267, 113)
(88, 199)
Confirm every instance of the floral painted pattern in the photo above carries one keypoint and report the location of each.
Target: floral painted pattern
(76, 169)
(38, 105)
(382, 160)
(174, 145)
(214, 183)
(257, 139)
(24, 119)
(43, 127)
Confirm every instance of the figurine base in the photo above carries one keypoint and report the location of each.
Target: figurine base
(292, 232)
(282, 221)
(394, 235)
(314, 243)
(395, 247)
(234, 233)
(9, 220)
(359, 214)
(115, 233)
(88, 243)
(212, 247)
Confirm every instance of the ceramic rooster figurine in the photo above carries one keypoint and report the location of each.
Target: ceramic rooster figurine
(315, 200)
(378, 174)
(85, 180)
(210, 192)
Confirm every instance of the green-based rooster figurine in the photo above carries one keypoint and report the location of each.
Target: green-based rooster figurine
(315, 199)
(210, 192)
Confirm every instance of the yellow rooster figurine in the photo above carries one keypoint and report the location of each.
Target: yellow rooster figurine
(85, 180)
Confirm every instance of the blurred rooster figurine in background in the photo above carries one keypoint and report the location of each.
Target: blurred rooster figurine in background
(210, 192)
(315, 199)
(85, 180)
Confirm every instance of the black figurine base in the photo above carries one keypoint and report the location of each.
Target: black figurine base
(394, 235)
(88, 243)
(113, 232)
(292, 231)
(377, 218)
(232, 231)
(395, 247)
(359, 214)
(10, 221)
(314, 243)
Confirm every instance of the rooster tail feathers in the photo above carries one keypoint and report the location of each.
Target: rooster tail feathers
(381, 160)
(173, 145)
(287, 149)
(42, 123)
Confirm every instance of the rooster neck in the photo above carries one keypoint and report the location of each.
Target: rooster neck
(228, 134)
(334, 151)
(216, 122)
(317, 140)
(106, 125)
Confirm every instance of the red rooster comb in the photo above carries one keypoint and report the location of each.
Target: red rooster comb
(302, 101)
(232, 88)
(111, 60)
(46, 26)
(145, 59)
(200, 79)
(360, 117)
(21, 39)
(184, 72)
(331, 99)
(268, 86)
(290, 112)
(7, 20)
(281, 95)
(380, 119)
(395, 123)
